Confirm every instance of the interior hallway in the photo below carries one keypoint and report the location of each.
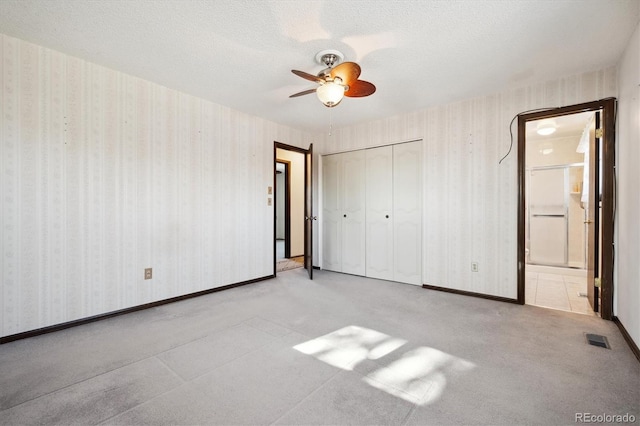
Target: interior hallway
(284, 264)
(339, 349)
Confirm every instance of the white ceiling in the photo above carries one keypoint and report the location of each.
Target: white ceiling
(239, 53)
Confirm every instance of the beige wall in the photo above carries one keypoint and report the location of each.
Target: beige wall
(297, 198)
(627, 253)
(470, 201)
(104, 174)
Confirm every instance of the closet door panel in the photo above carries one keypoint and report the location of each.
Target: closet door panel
(407, 212)
(353, 196)
(331, 214)
(379, 219)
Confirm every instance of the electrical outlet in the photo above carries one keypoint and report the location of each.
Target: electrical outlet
(474, 266)
(147, 273)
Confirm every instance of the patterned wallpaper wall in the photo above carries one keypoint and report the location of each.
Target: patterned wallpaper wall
(103, 174)
(470, 201)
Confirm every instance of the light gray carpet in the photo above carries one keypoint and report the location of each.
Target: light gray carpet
(337, 350)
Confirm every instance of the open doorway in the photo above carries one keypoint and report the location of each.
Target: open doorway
(283, 210)
(557, 209)
(292, 219)
(566, 208)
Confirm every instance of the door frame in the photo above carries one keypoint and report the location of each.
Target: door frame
(608, 108)
(307, 238)
(308, 211)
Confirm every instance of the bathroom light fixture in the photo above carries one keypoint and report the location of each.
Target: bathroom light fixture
(546, 127)
(331, 92)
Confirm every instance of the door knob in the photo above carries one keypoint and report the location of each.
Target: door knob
(588, 221)
(387, 216)
(345, 215)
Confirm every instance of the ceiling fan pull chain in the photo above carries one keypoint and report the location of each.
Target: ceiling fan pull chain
(330, 121)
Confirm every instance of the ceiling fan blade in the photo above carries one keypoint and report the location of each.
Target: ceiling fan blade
(359, 89)
(305, 92)
(307, 76)
(347, 71)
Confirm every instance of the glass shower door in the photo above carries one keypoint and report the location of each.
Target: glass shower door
(548, 225)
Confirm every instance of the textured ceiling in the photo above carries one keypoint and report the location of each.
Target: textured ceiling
(240, 53)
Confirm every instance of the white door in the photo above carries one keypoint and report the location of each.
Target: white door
(407, 212)
(352, 200)
(331, 214)
(379, 219)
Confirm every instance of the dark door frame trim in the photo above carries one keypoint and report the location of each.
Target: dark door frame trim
(608, 108)
(308, 210)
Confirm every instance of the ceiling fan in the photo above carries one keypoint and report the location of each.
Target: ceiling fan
(337, 80)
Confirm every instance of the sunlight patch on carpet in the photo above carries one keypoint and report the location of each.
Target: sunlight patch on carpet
(419, 376)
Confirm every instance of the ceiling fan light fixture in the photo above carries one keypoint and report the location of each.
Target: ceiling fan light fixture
(546, 127)
(337, 80)
(330, 93)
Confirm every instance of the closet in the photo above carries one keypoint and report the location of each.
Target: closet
(372, 215)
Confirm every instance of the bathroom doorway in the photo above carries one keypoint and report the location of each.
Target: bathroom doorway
(557, 207)
(565, 216)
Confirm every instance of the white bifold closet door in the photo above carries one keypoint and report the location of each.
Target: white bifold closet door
(344, 194)
(331, 214)
(407, 212)
(380, 245)
(353, 212)
(394, 213)
(372, 216)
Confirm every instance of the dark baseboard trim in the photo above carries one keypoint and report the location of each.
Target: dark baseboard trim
(627, 337)
(316, 267)
(65, 325)
(470, 293)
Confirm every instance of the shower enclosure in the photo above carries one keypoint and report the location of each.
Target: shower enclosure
(555, 216)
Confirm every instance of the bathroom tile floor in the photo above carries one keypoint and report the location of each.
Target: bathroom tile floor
(557, 291)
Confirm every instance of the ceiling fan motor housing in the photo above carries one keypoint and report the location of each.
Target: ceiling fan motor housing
(329, 58)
